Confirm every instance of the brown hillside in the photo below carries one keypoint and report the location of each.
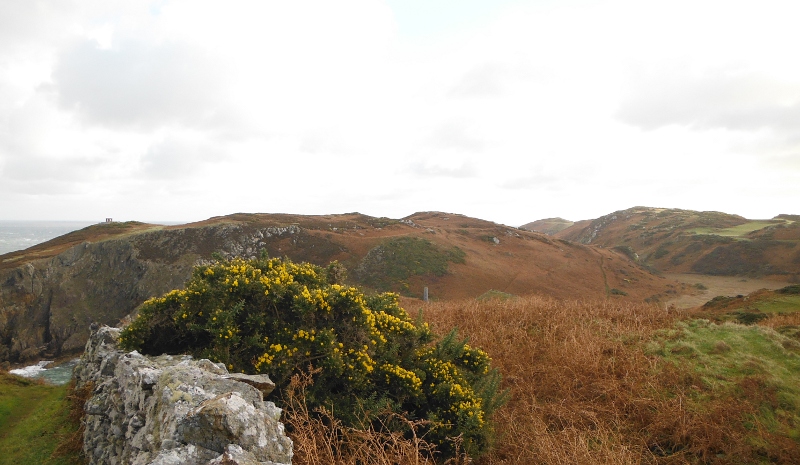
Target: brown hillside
(53, 247)
(548, 226)
(685, 241)
(517, 262)
(50, 294)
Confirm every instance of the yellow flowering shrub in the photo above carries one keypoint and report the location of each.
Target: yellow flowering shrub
(277, 317)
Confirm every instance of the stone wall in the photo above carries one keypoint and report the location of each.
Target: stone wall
(174, 410)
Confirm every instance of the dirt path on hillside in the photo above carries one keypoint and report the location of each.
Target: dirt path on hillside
(717, 285)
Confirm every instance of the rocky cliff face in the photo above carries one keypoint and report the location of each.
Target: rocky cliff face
(47, 305)
(175, 410)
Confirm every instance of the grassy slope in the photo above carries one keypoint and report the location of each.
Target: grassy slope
(756, 306)
(682, 241)
(735, 231)
(610, 382)
(33, 422)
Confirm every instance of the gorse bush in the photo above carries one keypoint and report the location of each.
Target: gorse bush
(280, 318)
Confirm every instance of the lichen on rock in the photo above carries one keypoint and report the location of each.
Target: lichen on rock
(174, 410)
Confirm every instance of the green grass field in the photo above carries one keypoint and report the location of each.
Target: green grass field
(779, 304)
(747, 363)
(33, 422)
(736, 231)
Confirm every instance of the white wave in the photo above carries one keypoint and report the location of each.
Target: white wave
(32, 370)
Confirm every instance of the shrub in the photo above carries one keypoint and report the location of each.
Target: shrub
(628, 252)
(396, 260)
(791, 289)
(662, 251)
(276, 317)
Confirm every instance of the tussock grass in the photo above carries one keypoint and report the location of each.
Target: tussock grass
(615, 383)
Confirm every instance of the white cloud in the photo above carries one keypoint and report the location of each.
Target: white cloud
(139, 85)
(510, 111)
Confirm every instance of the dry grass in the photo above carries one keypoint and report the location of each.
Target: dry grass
(72, 444)
(588, 386)
(321, 439)
(585, 391)
(777, 321)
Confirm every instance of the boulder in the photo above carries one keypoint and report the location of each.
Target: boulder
(174, 410)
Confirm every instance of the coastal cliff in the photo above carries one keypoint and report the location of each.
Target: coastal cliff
(51, 293)
(48, 304)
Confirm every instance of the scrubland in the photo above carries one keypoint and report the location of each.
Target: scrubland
(618, 383)
(606, 382)
(602, 382)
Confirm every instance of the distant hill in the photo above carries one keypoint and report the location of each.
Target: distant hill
(548, 226)
(50, 293)
(713, 243)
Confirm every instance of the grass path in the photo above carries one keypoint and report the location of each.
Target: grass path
(33, 421)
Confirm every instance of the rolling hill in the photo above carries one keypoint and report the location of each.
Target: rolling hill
(685, 241)
(50, 293)
(549, 226)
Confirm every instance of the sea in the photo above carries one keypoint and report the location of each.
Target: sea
(19, 235)
(53, 374)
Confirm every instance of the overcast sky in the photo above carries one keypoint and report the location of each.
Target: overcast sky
(505, 110)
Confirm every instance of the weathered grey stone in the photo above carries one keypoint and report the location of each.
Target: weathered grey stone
(171, 410)
(260, 382)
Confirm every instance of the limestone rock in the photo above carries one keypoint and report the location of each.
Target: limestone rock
(174, 410)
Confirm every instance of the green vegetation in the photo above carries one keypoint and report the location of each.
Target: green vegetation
(661, 252)
(627, 251)
(755, 307)
(736, 231)
(793, 289)
(34, 422)
(396, 260)
(367, 356)
(753, 365)
(495, 294)
(779, 304)
(740, 258)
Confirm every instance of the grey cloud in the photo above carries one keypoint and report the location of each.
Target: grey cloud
(38, 187)
(455, 135)
(484, 80)
(175, 159)
(34, 168)
(534, 181)
(25, 23)
(423, 169)
(314, 142)
(736, 102)
(138, 85)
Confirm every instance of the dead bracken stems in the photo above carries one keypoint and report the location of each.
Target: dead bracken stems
(320, 439)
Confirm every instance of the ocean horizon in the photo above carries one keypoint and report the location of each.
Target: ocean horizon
(20, 235)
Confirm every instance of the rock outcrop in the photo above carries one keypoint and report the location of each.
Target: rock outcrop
(47, 305)
(174, 410)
